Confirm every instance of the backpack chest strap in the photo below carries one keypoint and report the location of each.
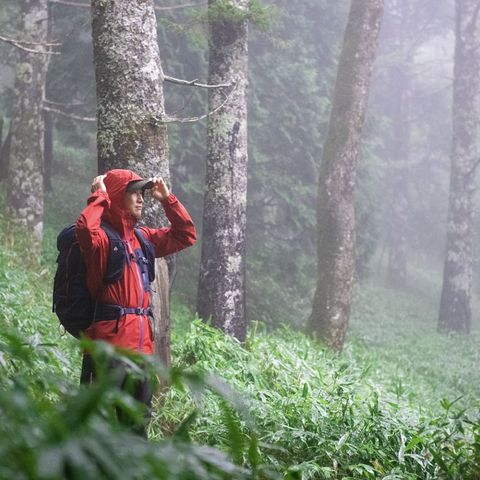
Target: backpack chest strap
(111, 311)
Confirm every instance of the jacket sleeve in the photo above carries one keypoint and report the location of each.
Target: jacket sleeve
(89, 233)
(180, 235)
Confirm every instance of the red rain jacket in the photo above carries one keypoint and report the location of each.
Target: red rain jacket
(134, 331)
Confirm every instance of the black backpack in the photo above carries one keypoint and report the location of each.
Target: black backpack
(72, 303)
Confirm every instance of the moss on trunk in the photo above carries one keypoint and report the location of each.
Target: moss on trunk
(221, 289)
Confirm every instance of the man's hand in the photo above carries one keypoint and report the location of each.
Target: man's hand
(159, 190)
(98, 184)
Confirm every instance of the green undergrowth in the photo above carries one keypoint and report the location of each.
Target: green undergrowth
(316, 415)
(278, 407)
(26, 306)
(395, 333)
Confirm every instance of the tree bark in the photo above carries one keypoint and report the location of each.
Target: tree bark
(335, 216)
(130, 108)
(25, 172)
(221, 288)
(5, 155)
(455, 312)
(48, 151)
(1, 132)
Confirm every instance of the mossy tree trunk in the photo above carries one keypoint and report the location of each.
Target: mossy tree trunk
(455, 312)
(25, 169)
(335, 216)
(130, 108)
(221, 288)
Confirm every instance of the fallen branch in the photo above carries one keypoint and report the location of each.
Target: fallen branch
(192, 83)
(69, 115)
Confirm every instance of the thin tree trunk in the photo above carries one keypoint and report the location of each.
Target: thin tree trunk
(455, 312)
(335, 217)
(1, 132)
(397, 260)
(3, 162)
(130, 107)
(5, 155)
(25, 173)
(48, 151)
(221, 288)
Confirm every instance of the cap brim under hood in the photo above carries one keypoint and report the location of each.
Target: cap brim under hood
(137, 185)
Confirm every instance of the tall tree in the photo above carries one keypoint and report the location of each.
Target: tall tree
(25, 172)
(221, 288)
(130, 110)
(399, 143)
(410, 28)
(335, 214)
(455, 312)
(399, 151)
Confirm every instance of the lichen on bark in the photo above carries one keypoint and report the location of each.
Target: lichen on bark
(130, 107)
(221, 289)
(25, 174)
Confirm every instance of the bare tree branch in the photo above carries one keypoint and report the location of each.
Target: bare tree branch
(75, 4)
(59, 104)
(191, 83)
(184, 104)
(87, 5)
(69, 115)
(19, 44)
(24, 42)
(472, 171)
(72, 31)
(176, 7)
(472, 24)
(168, 119)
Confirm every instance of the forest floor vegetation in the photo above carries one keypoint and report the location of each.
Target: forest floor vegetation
(279, 407)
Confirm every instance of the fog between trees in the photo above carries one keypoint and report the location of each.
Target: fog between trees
(403, 168)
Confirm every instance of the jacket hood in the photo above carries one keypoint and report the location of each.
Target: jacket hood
(117, 215)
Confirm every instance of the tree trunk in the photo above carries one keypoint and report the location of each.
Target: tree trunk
(48, 151)
(398, 215)
(130, 108)
(5, 155)
(1, 132)
(335, 216)
(221, 288)
(25, 172)
(455, 312)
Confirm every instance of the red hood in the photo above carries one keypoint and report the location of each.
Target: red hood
(117, 215)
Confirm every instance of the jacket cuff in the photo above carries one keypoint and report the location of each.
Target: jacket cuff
(169, 200)
(99, 194)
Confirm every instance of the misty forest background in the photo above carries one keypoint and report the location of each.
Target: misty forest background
(401, 399)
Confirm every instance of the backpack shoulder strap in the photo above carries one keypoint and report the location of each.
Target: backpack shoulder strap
(117, 255)
(66, 238)
(148, 250)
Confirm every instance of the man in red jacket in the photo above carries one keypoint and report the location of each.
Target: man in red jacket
(117, 198)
